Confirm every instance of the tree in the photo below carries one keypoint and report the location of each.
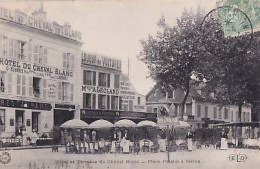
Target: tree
(174, 54)
(233, 78)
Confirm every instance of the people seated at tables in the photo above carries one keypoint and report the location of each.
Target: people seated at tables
(125, 144)
(86, 136)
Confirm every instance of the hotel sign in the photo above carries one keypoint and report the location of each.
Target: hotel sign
(31, 21)
(11, 65)
(24, 104)
(101, 90)
(98, 60)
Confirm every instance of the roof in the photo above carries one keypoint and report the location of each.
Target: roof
(240, 124)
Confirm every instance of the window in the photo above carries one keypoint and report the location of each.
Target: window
(101, 101)
(232, 116)
(215, 113)
(114, 102)
(102, 81)
(198, 110)
(108, 102)
(21, 85)
(36, 87)
(139, 100)
(117, 83)
(21, 50)
(2, 120)
(206, 111)
(219, 114)
(244, 116)
(65, 91)
(155, 110)
(94, 101)
(35, 121)
(2, 82)
(68, 61)
(226, 113)
(5, 45)
(89, 77)
(40, 54)
(86, 100)
(170, 94)
(237, 117)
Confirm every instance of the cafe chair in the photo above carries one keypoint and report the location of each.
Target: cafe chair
(146, 146)
(82, 147)
(101, 147)
(136, 148)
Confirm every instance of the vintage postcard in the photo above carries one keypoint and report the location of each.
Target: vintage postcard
(93, 84)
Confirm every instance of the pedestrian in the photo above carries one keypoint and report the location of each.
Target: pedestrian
(86, 136)
(189, 140)
(24, 134)
(223, 144)
(34, 137)
(62, 138)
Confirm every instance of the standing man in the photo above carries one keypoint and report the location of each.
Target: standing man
(189, 140)
(223, 145)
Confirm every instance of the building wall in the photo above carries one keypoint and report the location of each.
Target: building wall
(46, 56)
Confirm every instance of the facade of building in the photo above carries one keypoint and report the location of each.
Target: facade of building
(37, 72)
(108, 94)
(131, 99)
(199, 111)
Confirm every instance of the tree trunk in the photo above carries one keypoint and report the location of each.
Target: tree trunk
(185, 98)
(240, 111)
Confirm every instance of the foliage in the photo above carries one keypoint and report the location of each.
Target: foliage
(174, 54)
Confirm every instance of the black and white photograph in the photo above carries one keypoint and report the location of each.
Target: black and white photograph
(129, 84)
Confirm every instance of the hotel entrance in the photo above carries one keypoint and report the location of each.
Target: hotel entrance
(19, 121)
(61, 116)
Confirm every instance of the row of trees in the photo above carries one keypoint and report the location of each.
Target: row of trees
(178, 53)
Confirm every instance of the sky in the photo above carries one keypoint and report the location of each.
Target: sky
(115, 27)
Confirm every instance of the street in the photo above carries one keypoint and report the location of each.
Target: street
(202, 158)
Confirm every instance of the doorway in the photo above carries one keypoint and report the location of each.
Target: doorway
(19, 121)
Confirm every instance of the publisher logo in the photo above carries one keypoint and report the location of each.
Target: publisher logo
(237, 158)
(5, 158)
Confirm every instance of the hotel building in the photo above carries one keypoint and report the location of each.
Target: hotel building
(107, 93)
(37, 72)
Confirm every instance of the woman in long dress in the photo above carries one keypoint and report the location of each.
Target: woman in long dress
(189, 140)
(223, 145)
(24, 133)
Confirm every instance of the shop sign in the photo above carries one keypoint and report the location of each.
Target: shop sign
(24, 104)
(38, 23)
(52, 89)
(86, 113)
(64, 106)
(98, 60)
(101, 90)
(7, 64)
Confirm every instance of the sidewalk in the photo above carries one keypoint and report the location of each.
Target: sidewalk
(27, 147)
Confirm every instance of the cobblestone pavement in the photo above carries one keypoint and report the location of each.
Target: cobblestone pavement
(203, 158)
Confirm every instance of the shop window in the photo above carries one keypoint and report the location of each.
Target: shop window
(36, 87)
(206, 111)
(114, 102)
(215, 113)
(35, 121)
(68, 61)
(2, 120)
(102, 101)
(117, 81)
(21, 85)
(198, 110)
